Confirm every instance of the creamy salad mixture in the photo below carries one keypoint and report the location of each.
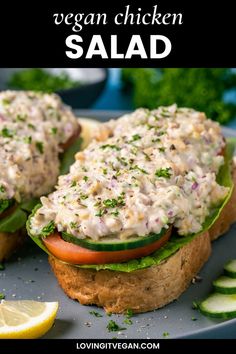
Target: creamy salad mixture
(146, 170)
(32, 128)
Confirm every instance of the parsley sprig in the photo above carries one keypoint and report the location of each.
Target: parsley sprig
(163, 172)
(114, 327)
(114, 147)
(6, 133)
(48, 229)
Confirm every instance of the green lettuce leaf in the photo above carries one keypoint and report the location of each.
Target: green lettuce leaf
(13, 222)
(39, 242)
(29, 205)
(5, 204)
(176, 242)
(36, 239)
(67, 158)
(17, 219)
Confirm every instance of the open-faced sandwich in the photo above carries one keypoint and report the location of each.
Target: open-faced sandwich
(132, 223)
(35, 130)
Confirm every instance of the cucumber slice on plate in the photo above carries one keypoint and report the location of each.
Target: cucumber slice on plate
(225, 285)
(230, 268)
(113, 243)
(219, 306)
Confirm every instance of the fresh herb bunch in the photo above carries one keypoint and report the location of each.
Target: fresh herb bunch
(41, 80)
(202, 89)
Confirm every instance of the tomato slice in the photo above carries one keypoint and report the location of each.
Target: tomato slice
(74, 254)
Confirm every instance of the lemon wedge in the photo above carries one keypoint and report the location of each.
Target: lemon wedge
(26, 319)
(88, 125)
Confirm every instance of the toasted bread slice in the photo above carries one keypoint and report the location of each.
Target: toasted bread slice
(146, 289)
(141, 290)
(10, 242)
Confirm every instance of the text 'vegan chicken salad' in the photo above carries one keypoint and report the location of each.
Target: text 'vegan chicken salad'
(33, 126)
(146, 170)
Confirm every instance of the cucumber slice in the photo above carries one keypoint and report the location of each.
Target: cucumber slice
(112, 243)
(225, 285)
(230, 268)
(219, 306)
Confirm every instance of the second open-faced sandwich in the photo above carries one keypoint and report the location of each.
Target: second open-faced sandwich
(132, 223)
(35, 130)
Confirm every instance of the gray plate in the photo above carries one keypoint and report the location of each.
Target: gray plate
(28, 276)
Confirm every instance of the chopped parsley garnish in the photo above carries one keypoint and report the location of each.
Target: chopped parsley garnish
(110, 203)
(135, 137)
(147, 157)
(157, 140)
(2, 266)
(160, 133)
(149, 126)
(48, 229)
(4, 204)
(39, 146)
(54, 131)
(98, 203)
(95, 313)
(194, 319)
(136, 167)
(128, 321)
(21, 118)
(6, 133)
(122, 161)
(73, 184)
(161, 149)
(104, 171)
(83, 196)
(6, 101)
(85, 178)
(134, 150)
(73, 225)
(163, 172)
(115, 213)
(115, 147)
(2, 188)
(120, 200)
(114, 327)
(31, 126)
(2, 296)
(100, 213)
(165, 334)
(28, 139)
(129, 313)
(165, 114)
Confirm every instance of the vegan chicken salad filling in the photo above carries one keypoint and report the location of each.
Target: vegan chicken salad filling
(144, 172)
(33, 127)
